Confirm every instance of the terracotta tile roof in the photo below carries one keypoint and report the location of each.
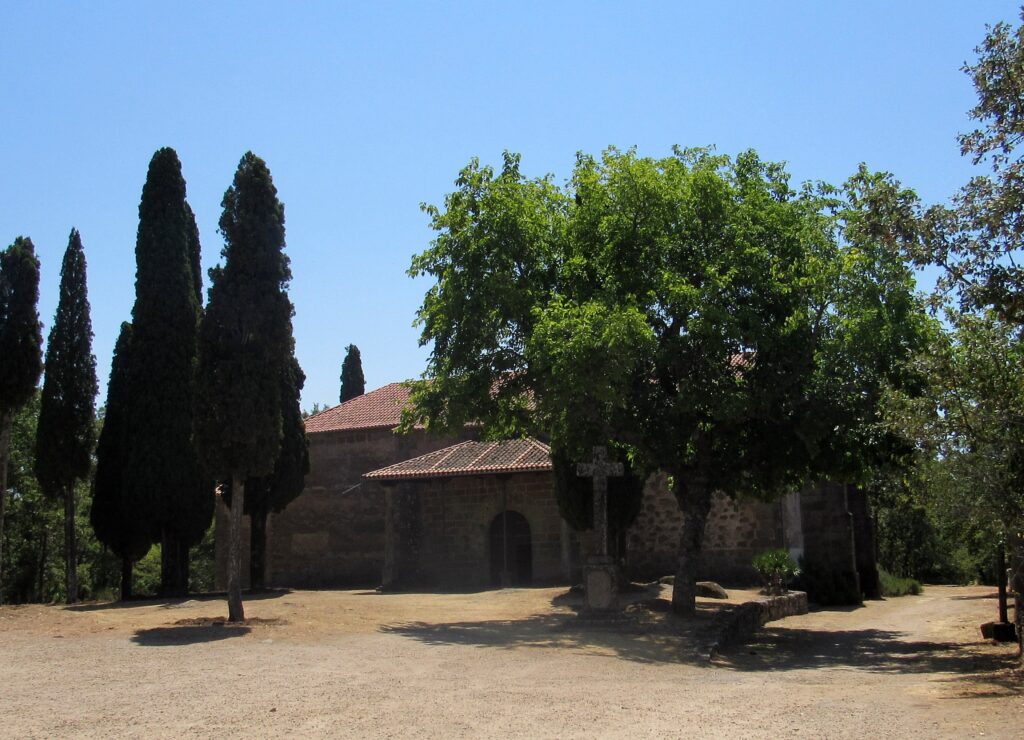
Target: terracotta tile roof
(471, 458)
(377, 409)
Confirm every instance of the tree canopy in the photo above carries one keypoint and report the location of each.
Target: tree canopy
(66, 430)
(694, 311)
(352, 382)
(162, 474)
(113, 517)
(20, 347)
(244, 347)
(978, 238)
(21, 338)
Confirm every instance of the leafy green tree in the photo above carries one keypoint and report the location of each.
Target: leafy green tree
(245, 343)
(978, 239)
(114, 519)
(163, 479)
(352, 382)
(676, 309)
(20, 347)
(67, 416)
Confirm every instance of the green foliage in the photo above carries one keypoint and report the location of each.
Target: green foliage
(162, 478)
(274, 492)
(352, 381)
(896, 586)
(927, 524)
(694, 311)
(34, 531)
(194, 254)
(114, 519)
(978, 240)
(68, 412)
(147, 573)
(776, 569)
(316, 409)
(246, 332)
(970, 443)
(21, 336)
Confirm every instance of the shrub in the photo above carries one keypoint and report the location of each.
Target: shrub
(895, 586)
(776, 569)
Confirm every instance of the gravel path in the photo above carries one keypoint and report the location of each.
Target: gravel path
(498, 664)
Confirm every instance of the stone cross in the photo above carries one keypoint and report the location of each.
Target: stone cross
(600, 470)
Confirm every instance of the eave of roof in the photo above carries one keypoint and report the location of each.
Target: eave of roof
(471, 458)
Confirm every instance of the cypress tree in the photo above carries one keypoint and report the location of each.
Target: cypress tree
(244, 343)
(21, 342)
(162, 475)
(194, 254)
(272, 493)
(352, 382)
(116, 524)
(66, 430)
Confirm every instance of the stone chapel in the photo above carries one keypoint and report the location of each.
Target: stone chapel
(420, 511)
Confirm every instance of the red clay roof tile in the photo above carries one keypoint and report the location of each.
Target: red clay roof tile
(377, 409)
(471, 458)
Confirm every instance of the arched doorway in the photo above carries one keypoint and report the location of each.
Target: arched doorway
(511, 550)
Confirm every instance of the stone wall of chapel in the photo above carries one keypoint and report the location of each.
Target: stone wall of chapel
(332, 535)
(446, 542)
(735, 532)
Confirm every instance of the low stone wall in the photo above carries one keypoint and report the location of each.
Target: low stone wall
(737, 624)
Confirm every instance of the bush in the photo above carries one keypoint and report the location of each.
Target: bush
(895, 586)
(776, 569)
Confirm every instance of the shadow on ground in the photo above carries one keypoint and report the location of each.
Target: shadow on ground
(878, 651)
(640, 635)
(187, 634)
(190, 600)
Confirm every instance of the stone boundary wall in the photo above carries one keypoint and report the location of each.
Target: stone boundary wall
(739, 623)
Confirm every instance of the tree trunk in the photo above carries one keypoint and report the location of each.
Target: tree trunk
(6, 423)
(126, 579)
(44, 548)
(1004, 614)
(1017, 584)
(235, 611)
(182, 569)
(257, 549)
(70, 546)
(173, 571)
(694, 497)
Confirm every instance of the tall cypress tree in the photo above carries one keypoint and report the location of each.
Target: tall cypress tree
(244, 343)
(272, 493)
(163, 479)
(116, 524)
(352, 382)
(67, 414)
(194, 254)
(21, 343)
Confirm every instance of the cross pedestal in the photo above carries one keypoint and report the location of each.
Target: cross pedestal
(600, 574)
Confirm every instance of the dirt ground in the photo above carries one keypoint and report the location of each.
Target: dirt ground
(499, 663)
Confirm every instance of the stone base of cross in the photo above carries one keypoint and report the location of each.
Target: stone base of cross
(600, 574)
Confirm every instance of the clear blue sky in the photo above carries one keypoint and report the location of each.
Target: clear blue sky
(363, 111)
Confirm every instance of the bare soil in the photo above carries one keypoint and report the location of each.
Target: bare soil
(499, 663)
